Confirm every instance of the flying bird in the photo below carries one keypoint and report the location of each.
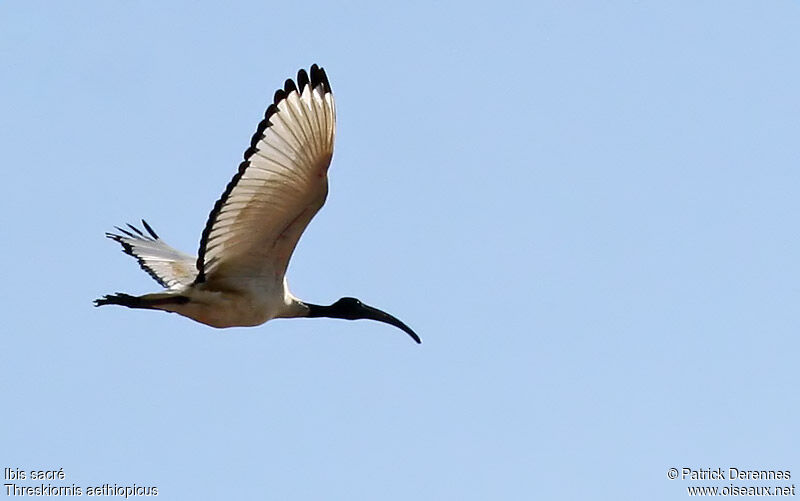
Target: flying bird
(239, 275)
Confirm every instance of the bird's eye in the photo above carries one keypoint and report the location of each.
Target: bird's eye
(349, 302)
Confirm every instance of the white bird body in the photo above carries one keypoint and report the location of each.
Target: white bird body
(244, 307)
(238, 278)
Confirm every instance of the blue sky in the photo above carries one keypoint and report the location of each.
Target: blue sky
(587, 210)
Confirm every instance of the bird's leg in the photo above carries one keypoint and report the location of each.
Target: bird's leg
(148, 301)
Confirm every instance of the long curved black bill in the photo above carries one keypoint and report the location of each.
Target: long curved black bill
(350, 308)
(371, 313)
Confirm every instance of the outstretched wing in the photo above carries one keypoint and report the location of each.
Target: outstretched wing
(169, 267)
(282, 182)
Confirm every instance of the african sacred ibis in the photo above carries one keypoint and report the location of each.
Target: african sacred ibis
(238, 277)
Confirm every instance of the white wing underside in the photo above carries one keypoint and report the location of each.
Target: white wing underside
(169, 267)
(280, 186)
(254, 227)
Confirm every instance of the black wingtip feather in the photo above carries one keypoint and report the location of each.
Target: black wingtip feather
(289, 86)
(259, 133)
(271, 110)
(315, 78)
(134, 228)
(250, 152)
(128, 233)
(149, 229)
(302, 79)
(318, 77)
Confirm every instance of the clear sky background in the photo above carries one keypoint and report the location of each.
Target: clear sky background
(588, 210)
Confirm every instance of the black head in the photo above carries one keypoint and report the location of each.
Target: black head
(350, 308)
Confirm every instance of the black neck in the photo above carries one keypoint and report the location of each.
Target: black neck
(321, 311)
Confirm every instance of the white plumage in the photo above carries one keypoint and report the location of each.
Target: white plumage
(238, 278)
